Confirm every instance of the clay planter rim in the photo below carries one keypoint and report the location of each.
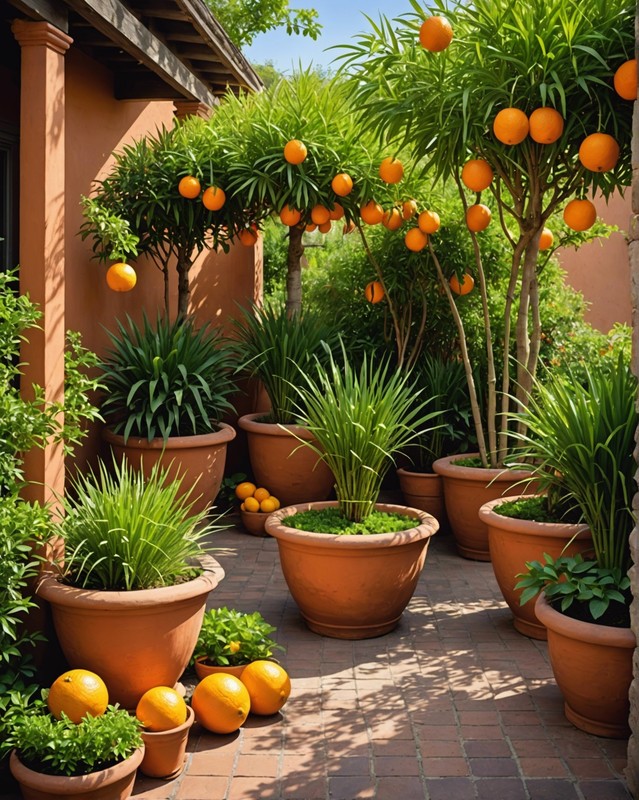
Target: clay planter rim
(553, 529)
(582, 631)
(421, 474)
(249, 423)
(427, 526)
(202, 669)
(252, 522)
(225, 433)
(190, 719)
(59, 784)
(51, 588)
(446, 466)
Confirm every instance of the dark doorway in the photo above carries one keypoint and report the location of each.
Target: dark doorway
(9, 196)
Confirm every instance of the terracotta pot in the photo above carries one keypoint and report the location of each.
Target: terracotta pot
(114, 783)
(253, 522)
(592, 665)
(513, 542)
(134, 640)
(282, 464)
(202, 669)
(198, 460)
(425, 491)
(352, 587)
(164, 751)
(466, 489)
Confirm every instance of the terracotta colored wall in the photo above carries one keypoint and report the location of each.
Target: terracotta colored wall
(600, 269)
(97, 124)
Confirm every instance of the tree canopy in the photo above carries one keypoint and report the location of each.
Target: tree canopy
(243, 20)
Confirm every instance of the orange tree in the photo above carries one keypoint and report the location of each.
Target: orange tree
(527, 92)
(162, 198)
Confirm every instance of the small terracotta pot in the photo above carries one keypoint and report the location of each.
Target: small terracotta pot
(114, 783)
(253, 522)
(202, 669)
(164, 751)
(466, 489)
(513, 542)
(198, 460)
(424, 490)
(352, 587)
(592, 665)
(282, 464)
(134, 640)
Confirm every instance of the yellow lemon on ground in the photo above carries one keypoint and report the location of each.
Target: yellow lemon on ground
(268, 686)
(221, 703)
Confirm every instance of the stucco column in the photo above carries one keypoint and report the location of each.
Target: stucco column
(42, 229)
(190, 108)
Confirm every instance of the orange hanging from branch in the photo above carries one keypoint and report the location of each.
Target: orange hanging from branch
(374, 292)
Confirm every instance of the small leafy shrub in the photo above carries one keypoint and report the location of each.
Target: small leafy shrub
(62, 747)
(537, 509)
(331, 520)
(123, 532)
(167, 379)
(231, 638)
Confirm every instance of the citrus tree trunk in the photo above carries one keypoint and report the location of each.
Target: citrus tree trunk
(294, 272)
(184, 290)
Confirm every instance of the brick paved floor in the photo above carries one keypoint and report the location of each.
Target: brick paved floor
(453, 705)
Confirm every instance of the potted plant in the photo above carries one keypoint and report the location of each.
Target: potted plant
(352, 565)
(585, 434)
(445, 383)
(96, 758)
(277, 349)
(230, 639)
(135, 573)
(166, 390)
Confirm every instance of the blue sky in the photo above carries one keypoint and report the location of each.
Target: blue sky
(341, 19)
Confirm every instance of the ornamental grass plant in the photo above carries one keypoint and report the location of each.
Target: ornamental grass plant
(124, 532)
(361, 418)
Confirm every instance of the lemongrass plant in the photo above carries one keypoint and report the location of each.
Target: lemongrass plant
(123, 532)
(361, 418)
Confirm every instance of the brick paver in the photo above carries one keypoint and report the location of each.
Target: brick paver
(453, 705)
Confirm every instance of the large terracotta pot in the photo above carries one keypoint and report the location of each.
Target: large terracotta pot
(425, 491)
(281, 463)
(134, 640)
(513, 542)
(114, 783)
(592, 665)
(352, 587)
(164, 751)
(466, 489)
(198, 460)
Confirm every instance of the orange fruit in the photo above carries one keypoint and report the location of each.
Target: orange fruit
(251, 504)
(268, 506)
(324, 227)
(242, 507)
(478, 217)
(392, 219)
(415, 240)
(244, 490)
(477, 174)
(374, 292)
(221, 703)
(428, 222)
(342, 184)
(320, 215)
(189, 187)
(76, 693)
(337, 212)
(290, 216)
(121, 277)
(295, 151)
(580, 214)
(311, 227)
(261, 494)
(435, 34)
(160, 709)
(546, 125)
(511, 126)
(391, 170)
(248, 237)
(599, 152)
(625, 80)
(275, 502)
(268, 686)
(349, 227)
(467, 284)
(409, 208)
(213, 198)
(372, 213)
(546, 239)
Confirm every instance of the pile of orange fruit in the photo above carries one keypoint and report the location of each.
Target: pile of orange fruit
(256, 498)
